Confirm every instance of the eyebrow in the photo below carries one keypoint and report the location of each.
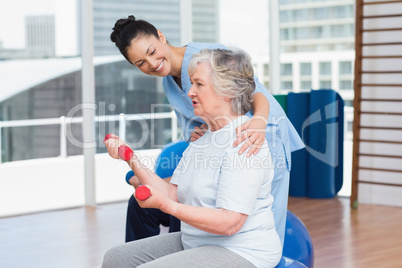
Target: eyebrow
(145, 53)
(197, 79)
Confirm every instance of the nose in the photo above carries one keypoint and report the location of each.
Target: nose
(191, 92)
(153, 63)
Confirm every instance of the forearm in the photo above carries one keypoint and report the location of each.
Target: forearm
(216, 221)
(260, 106)
(147, 177)
(167, 179)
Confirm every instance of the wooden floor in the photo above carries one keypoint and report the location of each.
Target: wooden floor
(368, 237)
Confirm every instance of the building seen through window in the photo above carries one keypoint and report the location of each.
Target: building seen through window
(118, 84)
(317, 40)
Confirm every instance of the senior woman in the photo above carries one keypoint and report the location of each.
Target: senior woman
(222, 198)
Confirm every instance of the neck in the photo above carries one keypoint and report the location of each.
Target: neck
(177, 60)
(221, 121)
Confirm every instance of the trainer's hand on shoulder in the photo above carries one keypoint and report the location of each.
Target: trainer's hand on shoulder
(253, 132)
(198, 132)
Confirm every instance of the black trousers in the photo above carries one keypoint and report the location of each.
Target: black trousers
(145, 222)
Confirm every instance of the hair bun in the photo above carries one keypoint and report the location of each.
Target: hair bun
(119, 25)
(131, 18)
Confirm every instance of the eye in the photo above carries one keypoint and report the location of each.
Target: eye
(153, 52)
(142, 63)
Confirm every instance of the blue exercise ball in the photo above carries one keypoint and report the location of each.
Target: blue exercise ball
(169, 158)
(289, 263)
(298, 245)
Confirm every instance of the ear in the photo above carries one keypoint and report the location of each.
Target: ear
(226, 99)
(162, 38)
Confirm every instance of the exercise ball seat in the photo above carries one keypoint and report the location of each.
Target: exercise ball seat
(289, 263)
(169, 158)
(298, 245)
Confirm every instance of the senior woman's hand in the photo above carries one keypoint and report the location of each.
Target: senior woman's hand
(253, 131)
(112, 143)
(155, 200)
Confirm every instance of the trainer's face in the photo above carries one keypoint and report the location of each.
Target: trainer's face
(151, 55)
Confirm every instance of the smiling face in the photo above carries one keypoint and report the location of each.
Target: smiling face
(206, 102)
(151, 55)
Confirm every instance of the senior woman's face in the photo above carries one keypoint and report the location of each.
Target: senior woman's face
(150, 55)
(205, 100)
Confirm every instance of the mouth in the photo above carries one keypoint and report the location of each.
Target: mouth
(195, 103)
(160, 67)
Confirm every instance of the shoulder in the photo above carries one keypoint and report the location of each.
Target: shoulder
(167, 82)
(199, 46)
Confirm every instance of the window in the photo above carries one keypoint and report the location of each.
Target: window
(325, 84)
(321, 13)
(345, 84)
(285, 16)
(345, 67)
(266, 69)
(348, 103)
(305, 85)
(300, 14)
(286, 69)
(350, 126)
(325, 68)
(284, 34)
(48, 43)
(305, 68)
(287, 85)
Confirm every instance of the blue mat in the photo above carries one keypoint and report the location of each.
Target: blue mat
(299, 172)
(318, 116)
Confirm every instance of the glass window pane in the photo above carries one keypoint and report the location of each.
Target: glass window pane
(266, 69)
(325, 68)
(345, 67)
(286, 85)
(286, 69)
(305, 68)
(305, 85)
(325, 84)
(345, 84)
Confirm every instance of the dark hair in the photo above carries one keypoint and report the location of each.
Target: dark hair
(125, 30)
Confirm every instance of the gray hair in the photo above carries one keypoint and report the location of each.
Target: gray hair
(232, 75)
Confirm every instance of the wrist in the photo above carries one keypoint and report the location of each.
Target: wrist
(134, 163)
(260, 117)
(169, 207)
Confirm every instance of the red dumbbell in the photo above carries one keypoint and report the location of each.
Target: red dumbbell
(125, 152)
(142, 193)
(108, 136)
